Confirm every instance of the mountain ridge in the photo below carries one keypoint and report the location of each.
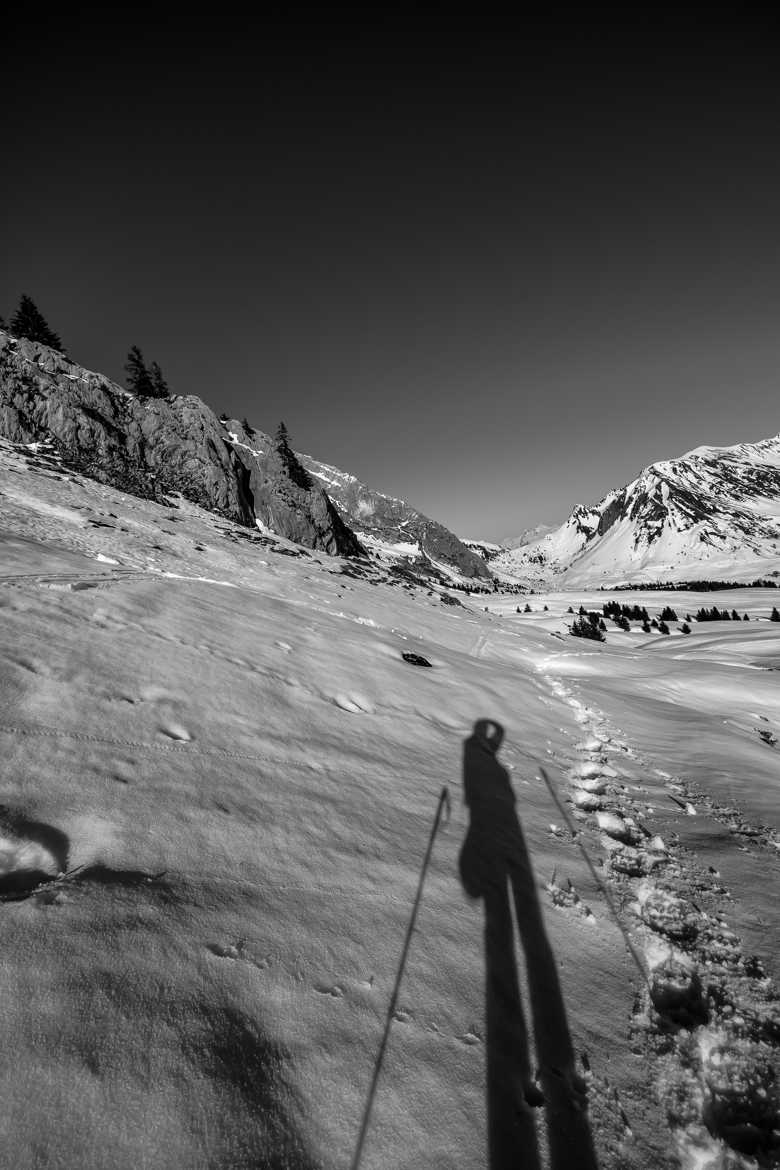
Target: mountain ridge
(148, 446)
(711, 511)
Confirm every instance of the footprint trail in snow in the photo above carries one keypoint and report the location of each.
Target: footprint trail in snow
(708, 1021)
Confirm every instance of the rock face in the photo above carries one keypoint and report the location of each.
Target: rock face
(713, 513)
(150, 446)
(394, 522)
(286, 498)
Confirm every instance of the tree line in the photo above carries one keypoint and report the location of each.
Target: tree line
(29, 322)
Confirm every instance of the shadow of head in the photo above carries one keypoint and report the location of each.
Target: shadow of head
(489, 734)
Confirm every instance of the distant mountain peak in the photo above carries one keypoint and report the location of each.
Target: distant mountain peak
(713, 512)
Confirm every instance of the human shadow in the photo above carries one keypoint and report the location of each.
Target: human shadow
(494, 860)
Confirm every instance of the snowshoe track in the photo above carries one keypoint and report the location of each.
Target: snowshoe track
(708, 1021)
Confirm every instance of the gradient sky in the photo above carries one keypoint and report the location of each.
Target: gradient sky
(494, 271)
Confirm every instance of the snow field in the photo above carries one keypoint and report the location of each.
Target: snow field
(244, 778)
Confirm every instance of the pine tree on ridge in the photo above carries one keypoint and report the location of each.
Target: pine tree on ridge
(29, 322)
(139, 380)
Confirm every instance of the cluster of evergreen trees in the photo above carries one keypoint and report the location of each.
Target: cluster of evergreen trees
(690, 586)
(146, 382)
(614, 610)
(589, 625)
(720, 615)
(29, 322)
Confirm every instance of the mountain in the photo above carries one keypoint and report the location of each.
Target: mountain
(153, 446)
(383, 521)
(712, 513)
(150, 446)
(528, 536)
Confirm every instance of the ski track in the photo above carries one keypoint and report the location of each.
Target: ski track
(708, 1020)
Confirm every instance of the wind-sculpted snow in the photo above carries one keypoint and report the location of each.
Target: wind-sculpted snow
(714, 512)
(220, 758)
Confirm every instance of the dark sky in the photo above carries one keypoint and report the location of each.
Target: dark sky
(494, 270)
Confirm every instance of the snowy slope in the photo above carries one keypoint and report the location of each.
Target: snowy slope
(713, 513)
(215, 734)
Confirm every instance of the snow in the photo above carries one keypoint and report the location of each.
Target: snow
(247, 777)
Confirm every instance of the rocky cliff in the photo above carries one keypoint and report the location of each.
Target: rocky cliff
(150, 446)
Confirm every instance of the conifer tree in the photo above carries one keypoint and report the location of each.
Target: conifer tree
(159, 385)
(29, 322)
(282, 438)
(139, 380)
(296, 471)
(775, 616)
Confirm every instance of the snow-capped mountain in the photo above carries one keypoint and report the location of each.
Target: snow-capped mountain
(527, 536)
(712, 513)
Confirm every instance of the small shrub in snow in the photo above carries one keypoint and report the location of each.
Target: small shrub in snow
(668, 614)
(774, 616)
(527, 608)
(663, 628)
(685, 628)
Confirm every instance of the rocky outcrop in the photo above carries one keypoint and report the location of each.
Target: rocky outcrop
(151, 446)
(287, 500)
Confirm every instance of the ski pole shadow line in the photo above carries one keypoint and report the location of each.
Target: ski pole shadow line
(494, 864)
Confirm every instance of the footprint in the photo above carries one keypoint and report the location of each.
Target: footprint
(332, 990)
(222, 952)
(356, 704)
(157, 694)
(176, 731)
(587, 801)
(620, 830)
